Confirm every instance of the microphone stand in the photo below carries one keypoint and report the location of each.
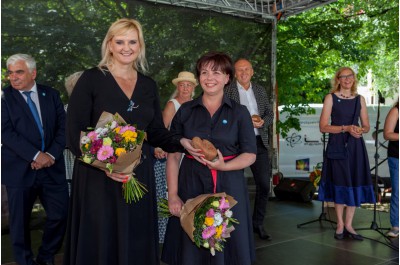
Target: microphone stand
(374, 225)
(322, 216)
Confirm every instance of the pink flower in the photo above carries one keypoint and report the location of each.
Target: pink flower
(223, 203)
(210, 213)
(93, 136)
(105, 152)
(208, 232)
(127, 128)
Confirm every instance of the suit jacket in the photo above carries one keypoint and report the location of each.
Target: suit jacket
(264, 108)
(21, 140)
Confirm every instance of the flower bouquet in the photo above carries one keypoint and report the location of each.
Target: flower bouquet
(315, 175)
(115, 146)
(208, 221)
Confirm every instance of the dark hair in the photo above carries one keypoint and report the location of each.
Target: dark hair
(220, 61)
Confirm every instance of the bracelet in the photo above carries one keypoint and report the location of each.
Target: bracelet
(342, 128)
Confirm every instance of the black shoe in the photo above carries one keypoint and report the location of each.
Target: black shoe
(261, 232)
(353, 236)
(339, 236)
(41, 262)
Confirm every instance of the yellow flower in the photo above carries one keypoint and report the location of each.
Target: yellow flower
(117, 129)
(107, 141)
(130, 139)
(209, 221)
(129, 134)
(215, 203)
(87, 159)
(86, 146)
(218, 231)
(120, 151)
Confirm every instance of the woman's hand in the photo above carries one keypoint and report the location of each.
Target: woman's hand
(175, 205)
(196, 153)
(118, 177)
(218, 164)
(159, 153)
(356, 131)
(258, 124)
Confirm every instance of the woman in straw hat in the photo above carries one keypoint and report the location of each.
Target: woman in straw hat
(185, 84)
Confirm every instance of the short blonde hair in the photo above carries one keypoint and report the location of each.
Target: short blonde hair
(336, 83)
(120, 27)
(70, 81)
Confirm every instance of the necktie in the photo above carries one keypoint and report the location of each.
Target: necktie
(35, 114)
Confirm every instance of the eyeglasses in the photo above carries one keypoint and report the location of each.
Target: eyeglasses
(180, 85)
(346, 76)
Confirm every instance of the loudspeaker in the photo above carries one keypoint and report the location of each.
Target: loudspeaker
(295, 189)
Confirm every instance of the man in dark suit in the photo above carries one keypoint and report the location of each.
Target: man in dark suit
(254, 97)
(32, 162)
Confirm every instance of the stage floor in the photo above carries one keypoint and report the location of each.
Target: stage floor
(311, 244)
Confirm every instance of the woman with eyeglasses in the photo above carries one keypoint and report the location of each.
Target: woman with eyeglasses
(346, 178)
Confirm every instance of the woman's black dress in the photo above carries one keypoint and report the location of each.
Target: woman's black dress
(102, 228)
(346, 181)
(231, 131)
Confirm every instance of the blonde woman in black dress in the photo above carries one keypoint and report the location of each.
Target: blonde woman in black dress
(102, 228)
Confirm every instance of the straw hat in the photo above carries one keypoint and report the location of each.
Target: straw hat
(185, 76)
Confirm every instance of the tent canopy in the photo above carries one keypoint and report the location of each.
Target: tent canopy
(259, 10)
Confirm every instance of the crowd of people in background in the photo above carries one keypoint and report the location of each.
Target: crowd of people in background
(41, 144)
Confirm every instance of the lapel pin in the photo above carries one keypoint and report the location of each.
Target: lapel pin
(44, 94)
(224, 121)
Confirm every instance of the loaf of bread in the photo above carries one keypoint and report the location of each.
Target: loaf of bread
(256, 118)
(208, 149)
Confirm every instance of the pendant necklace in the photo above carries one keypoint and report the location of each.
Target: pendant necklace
(343, 96)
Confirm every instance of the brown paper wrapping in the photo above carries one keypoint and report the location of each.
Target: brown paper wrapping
(189, 209)
(125, 163)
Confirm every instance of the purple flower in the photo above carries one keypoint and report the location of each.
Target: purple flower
(112, 160)
(210, 213)
(208, 232)
(223, 203)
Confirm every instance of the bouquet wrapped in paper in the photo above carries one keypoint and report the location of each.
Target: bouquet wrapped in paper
(208, 220)
(115, 146)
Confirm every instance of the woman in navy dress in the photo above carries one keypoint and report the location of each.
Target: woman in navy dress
(346, 182)
(227, 124)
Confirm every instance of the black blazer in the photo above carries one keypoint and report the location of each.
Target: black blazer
(264, 108)
(21, 140)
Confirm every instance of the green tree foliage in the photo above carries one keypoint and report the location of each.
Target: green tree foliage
(65, 36)
(362, 34)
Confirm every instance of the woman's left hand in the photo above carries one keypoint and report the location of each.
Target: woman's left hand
(218, 164)
(118, 177)
(356, 131)
(159, 153)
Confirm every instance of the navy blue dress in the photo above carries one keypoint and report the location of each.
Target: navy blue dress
(231, 131)
(346, 181)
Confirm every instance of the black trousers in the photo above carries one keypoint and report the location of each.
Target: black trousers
(54, 198)
(260, 170)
